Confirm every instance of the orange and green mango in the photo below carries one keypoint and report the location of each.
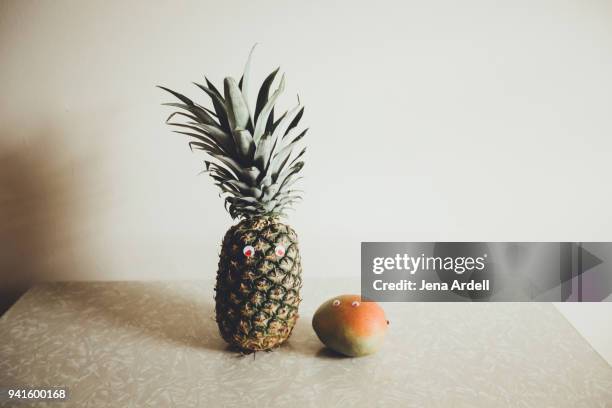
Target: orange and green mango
(349, 326)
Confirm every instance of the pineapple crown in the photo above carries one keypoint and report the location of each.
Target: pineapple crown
(252, 154)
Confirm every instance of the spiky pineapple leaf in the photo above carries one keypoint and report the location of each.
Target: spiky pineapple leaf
(202, 138)
(277, 170)
(252, 174)
(173, 114)
(286, 149)
(218, 104)
(264, 150)
(264, 93)
(270, 122)
(295, 121)
(200, 112)
(265, 111)
(246, 78)
(244, 144)
(213, 88)
(179, 96)
(286, 175)
(283, 124)
(274, 123)
(224, 140)
(201, 146)
(214, 167)
(232, 165)
(253, 163)
(235, 105)
(210, 112)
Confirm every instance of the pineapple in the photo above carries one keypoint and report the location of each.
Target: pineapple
(253, 159)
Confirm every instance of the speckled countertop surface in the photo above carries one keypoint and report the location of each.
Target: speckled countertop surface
(155, 344)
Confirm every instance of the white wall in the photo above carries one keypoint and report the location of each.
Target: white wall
(435, 120)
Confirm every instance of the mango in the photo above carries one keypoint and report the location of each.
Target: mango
(350, 326)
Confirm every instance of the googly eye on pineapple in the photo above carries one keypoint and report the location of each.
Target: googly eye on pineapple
(336, 303)
(355, 303)
(279, 250)
(248, 251)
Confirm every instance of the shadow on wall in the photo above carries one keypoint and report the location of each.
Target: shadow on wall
(37, 196)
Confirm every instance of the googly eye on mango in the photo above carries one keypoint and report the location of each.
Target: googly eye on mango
(279, 250)
(248, 251)
(336, 303)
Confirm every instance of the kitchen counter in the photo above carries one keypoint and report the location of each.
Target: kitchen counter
(155, 344)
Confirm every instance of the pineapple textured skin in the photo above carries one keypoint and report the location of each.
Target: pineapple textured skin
(257, 297)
